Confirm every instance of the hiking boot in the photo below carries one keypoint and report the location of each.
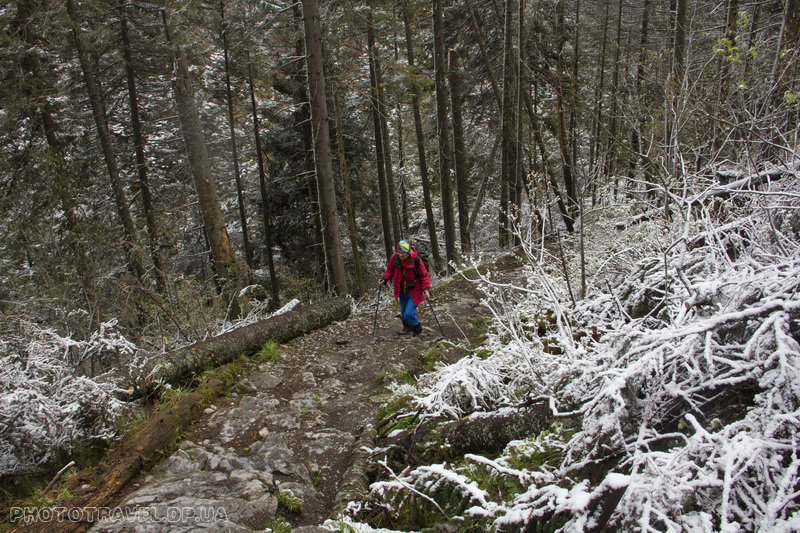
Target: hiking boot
(416, 331)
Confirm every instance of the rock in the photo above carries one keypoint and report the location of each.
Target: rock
(264, 381)
(275, 450)
(246, 387)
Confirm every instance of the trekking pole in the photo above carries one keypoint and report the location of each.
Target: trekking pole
(377, 303)
(435, 317)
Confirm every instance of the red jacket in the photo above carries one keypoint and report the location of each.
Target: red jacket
(394, 272)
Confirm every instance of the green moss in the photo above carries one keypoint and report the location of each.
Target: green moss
(428, 359)
(480, 326)
(269, 353)
(396, 404)
(483, 353)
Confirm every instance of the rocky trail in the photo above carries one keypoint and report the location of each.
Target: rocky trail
(285, 441)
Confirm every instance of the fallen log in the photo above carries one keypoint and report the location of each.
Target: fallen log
(135, 453)
(480, 433)
(181, 365)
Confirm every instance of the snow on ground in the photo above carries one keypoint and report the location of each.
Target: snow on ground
(674, 384)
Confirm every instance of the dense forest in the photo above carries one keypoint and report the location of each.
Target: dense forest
(169, 169)
(156, 156)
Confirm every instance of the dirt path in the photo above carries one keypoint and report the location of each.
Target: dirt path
(292, 427)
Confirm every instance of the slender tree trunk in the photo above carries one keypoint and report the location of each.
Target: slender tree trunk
(597, 119)
(322, 148)
(387, 152)
(573, 114)
(141, 162)
(787, 53)
(262, 181)
(636, 148)
(462, 177)
(423, 164)
(226, 266)
(383, 190)
(443, 125)
(519, 173)
(508, 149)
(551, 176)
(612, 148)
(101, 122)
(248, 249)
(391, 185)
(308, 143)
(348, 202)
(484, 54)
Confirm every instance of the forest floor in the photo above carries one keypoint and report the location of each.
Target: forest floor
(278, 451)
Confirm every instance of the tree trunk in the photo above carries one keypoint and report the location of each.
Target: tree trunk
(101, 122)
(508, 147)
(636, 147)
(443, 125)
(597, 116)
(787, 54)
(613, 135)
(391, 186)
(462, 177)
(389, 239)
(484, 54)
(141, 163)
(248, 249)
(262, 181)
(308, 142)
(224, 259)
(322, 148)
(348, 202)
(183, 365)
(423, 164)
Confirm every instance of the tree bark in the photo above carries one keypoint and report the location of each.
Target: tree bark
(462, 177)
(262, 181)
(141, 163)
(224, 259)
(182, 365)
(248, 249)
(389, 239)
(423, 164)
(391, 185)
(508, 147)
(302, 101)
(322, 148)
(104, 135)
(485, 56)
(348, 202)
(443, 126)
(787, 53)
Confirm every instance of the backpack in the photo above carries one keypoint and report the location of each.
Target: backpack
(422, 256)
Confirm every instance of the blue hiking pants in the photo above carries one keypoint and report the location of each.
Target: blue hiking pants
(408, 311)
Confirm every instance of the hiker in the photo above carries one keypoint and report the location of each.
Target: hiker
(411, 284)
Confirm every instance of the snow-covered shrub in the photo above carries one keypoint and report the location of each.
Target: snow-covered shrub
(679, 376)
(46, 408)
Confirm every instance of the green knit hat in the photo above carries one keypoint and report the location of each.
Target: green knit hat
(403, 247)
